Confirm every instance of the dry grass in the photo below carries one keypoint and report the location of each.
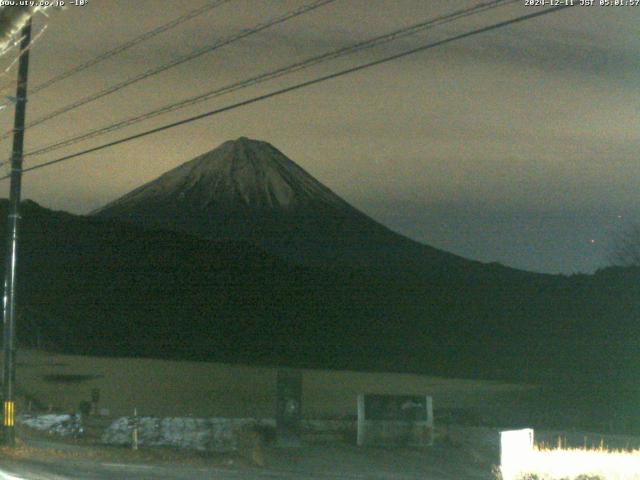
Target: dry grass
(68, 451)
(545, 463)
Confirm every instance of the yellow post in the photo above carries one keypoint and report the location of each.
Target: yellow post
(9, 413)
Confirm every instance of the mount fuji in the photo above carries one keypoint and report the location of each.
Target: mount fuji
(349, 294)
(248, 190)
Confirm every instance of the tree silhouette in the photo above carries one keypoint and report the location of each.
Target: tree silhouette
(626, 248)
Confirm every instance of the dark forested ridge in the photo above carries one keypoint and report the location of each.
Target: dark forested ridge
(96, 286)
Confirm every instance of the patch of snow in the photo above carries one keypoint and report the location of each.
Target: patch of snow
(213, 434)
(59, 424)
(250, 172)
(205, 434)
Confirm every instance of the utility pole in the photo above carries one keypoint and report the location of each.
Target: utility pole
(12, 241)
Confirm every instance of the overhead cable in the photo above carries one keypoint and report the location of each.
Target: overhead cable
(194, 54)
(124, 46)
(299, 86)
(273, 74)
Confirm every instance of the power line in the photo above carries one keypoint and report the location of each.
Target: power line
(298, 86)
(131, 43)
(295, 67)
(126, 46)
(194, 54)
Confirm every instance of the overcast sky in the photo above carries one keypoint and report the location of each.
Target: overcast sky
(518, 146)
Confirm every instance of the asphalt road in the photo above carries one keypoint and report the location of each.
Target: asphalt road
(98, 471)
(468, 456)
(319, 464)
(38, 470)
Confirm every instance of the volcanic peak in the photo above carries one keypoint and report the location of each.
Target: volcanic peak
(240, 172)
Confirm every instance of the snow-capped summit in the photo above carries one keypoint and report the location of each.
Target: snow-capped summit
(248, 190)
(242, 173)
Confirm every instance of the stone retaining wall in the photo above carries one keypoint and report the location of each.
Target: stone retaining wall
(210, 434)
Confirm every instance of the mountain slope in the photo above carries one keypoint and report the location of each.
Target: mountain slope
(249, 190)
(412, 307)
(101, 287)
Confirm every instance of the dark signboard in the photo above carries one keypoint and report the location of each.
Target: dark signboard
(391, 420)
